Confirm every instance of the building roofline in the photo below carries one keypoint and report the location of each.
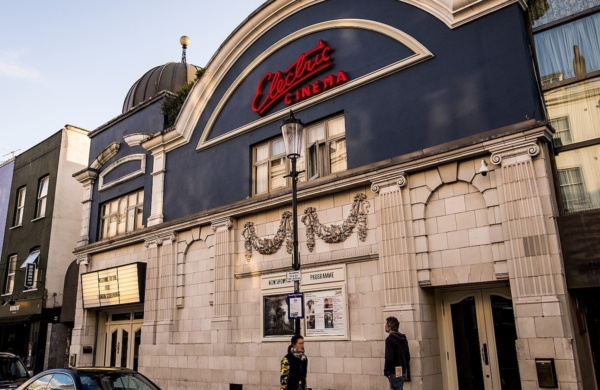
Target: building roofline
(132, 111)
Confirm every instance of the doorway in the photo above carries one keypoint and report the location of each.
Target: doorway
(123, 338)
(479, 340)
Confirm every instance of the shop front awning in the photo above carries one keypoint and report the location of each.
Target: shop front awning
(32, 258)
(18, 319)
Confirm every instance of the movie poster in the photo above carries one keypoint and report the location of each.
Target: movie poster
(275, 316)
(324, 312)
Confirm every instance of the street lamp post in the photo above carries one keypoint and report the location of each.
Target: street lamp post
(293, 138)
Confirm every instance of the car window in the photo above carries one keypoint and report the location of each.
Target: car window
(11, 368)
(40, 383)
(61, 382)
(115, 381)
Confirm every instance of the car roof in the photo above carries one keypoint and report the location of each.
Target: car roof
(102, 369)
(7, 354)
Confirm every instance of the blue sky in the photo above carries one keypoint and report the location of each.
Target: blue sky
(74, 61)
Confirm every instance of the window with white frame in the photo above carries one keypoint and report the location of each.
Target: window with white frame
(325, 154)
(122, 215)
(326, 147)
(20, 206)
(269, 166)
(11, 269)
(42, 197)
(562, 136)
(572, 189)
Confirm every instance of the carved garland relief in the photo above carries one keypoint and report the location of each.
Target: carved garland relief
(330, 234)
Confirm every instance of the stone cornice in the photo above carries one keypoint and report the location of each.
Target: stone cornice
(159, 238)
(391, 178)
(86, 176)
(223, 223)
(84, 258)
(105, 155)
(471, 147)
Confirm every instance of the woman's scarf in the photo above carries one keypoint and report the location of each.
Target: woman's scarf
(299, 353)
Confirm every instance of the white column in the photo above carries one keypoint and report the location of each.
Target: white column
(158, 187)
(87, 179)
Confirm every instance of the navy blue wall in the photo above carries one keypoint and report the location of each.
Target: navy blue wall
(147, 120)
(480, 79)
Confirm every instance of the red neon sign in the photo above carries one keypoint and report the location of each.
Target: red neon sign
(281, 84)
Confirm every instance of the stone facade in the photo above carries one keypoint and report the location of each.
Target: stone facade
(433, 226)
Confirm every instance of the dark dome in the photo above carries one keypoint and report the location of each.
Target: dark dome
(170, 76)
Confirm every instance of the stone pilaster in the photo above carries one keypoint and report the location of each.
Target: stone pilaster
(394, 258)
(223, 279)
(87, 179)
(532, 274)
(534, 263)
(158, 187)
(160, 288)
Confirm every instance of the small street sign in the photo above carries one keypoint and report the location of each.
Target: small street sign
(29, 276)
(295, 305)
(292, 276)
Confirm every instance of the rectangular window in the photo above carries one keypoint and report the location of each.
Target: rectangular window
(42, 197)
(563, 132)
(122, 215)
(326, 149)
(11, 269)
(269, 166)
(572, 189)
(20, 206)
(574, 109)
(325, 154)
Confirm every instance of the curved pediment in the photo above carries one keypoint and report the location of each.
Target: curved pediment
(124, 169)
(267, 18)
(416, 53)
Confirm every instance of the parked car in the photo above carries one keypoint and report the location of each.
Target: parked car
(12, 371)
(89, 378)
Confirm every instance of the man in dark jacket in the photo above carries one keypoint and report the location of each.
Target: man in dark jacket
(397, 355)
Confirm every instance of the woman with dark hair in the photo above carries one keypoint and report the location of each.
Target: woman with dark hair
(294, 366)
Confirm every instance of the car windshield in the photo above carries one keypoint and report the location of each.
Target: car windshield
(11, 368)
(115, 381)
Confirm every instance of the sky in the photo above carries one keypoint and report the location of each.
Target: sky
(73, 62)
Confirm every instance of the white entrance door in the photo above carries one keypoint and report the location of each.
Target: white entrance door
(479, 340)
(122, 345)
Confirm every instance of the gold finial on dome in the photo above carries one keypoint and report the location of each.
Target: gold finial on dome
(185, 41)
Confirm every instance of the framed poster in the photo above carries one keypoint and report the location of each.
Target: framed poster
(275, 316)
(325, 313)
(295, 305)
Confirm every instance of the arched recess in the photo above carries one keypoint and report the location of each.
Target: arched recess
(437, 197)
(458, 235)
(194, 277)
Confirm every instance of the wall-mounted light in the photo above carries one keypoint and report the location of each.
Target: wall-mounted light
(484, 168)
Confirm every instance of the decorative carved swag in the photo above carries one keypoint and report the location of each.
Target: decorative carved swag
(330, 234)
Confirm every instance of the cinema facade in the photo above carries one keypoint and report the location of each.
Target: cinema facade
(427, 194)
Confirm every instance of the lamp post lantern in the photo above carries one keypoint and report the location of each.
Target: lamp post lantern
(293, 138)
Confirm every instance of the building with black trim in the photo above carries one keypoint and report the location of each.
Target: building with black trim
(42, 225)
